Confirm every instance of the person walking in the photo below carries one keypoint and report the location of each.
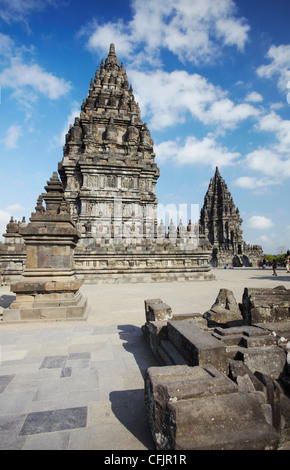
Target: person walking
(274, 267)
(288, 264)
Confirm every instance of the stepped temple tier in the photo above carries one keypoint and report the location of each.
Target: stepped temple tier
(221, 225)
(108, 174)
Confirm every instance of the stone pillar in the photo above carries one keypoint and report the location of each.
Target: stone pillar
(48, 288)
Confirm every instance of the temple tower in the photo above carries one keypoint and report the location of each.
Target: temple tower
(220, 220)
(221, 225)
(108, 175)
(108, 169)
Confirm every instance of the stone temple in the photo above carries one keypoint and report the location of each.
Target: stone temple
(221, 225)
(109, 174)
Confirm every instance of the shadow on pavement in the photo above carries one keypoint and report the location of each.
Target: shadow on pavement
(270, 277)
(6, 300)
(129, 405)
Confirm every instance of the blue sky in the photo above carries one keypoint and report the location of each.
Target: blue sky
(212, 79)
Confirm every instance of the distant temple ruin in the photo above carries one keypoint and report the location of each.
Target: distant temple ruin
(221, 224)
(108, 173)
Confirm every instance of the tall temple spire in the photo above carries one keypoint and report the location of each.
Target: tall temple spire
(108, 151)
(220, 220)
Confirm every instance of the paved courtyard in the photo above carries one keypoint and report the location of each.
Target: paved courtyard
(79, 384)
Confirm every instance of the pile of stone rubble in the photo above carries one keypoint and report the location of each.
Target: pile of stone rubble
(224, 376)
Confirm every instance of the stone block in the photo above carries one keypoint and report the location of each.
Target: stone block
(169, 355)
(45, 310)
(23, 300)
(150, 302)
(262, 305)
(270, 361)
(225, 310)
(158, 311)
(239, 369)
(155, 332)
(197, 345)
(255, 346)
(245, 336)
(272, 396)
(198, 408)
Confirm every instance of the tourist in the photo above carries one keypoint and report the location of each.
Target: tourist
(274, 267)
(288, 264)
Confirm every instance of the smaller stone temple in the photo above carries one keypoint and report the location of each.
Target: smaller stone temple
(221, 225)
(48, 287)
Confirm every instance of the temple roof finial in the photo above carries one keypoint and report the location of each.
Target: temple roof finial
(112, 60)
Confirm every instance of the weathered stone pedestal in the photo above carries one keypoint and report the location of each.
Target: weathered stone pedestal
(48, 288)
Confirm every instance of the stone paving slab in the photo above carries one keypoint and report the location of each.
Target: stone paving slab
(74, 400)
(79, 385)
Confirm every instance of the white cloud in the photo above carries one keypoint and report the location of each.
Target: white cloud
(254, 97)
(13, 208)
(272, 122)
(192, 30)
(253, 182)
(26, 79)
(6, 45)
(259, 222)
(269, 162)
(20, 75)
(279, 65)
(234, 32)
(4, 219)
(103, 35)
(167, 97)
(4, 216)
(13, 133)
(273, 160)
(194, 151)
(229, 114)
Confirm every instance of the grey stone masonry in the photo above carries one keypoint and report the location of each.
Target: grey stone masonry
(199, 408)
(262, 305)
(256, 347)
(108, 168)
(197, 345)
(157, 310)
(225, 310)
(109, 175)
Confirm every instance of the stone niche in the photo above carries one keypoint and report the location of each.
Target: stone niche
(48, 288)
